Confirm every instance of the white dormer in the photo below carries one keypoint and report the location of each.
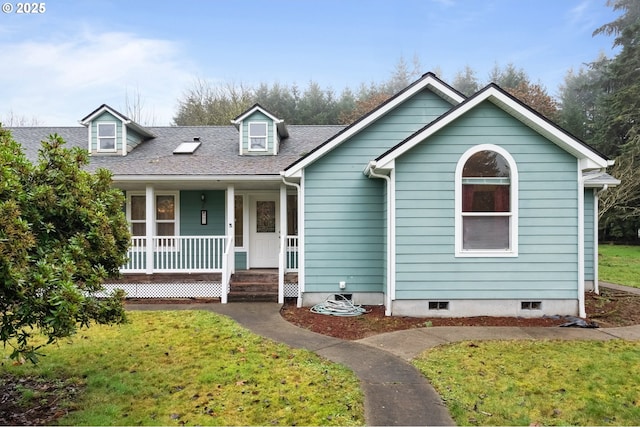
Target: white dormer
(260, 132)
(112, 133)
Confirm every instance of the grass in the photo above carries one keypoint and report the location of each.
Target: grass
(196, 368)
(537, 382)
(619, 264)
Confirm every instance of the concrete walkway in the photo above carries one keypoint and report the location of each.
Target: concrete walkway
(395, 392)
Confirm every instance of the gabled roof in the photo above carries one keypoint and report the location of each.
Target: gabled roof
(282, 129)
(590, 158)
(124, 119)
(428, 81)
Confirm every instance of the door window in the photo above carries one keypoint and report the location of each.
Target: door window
(265, 216)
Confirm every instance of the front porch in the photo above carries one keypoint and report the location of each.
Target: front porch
(198, 267)
(182, 229)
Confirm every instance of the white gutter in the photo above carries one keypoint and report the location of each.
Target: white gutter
(300, 238)
(156, 178)
(369, 171)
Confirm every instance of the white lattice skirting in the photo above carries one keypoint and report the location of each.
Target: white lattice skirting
(167, 290)
(290, 290)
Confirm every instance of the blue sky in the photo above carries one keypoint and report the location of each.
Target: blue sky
(59, 66)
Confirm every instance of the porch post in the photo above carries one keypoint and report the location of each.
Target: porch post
(282, 259)
(231, 221)
(150, 221)
(228, 262)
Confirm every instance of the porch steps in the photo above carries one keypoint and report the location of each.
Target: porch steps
(260, 285)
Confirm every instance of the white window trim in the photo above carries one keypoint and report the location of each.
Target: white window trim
(513, 196)
(176, 220)
(99, 138)
(266, 136)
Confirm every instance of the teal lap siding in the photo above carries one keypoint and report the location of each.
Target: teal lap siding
(345, 212)
(547, 264)
(190, 206)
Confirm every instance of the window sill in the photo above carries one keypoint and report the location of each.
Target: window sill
(486, 254)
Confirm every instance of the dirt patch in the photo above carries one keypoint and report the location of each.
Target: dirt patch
(609, 309)
(35, 401)
(613, 308)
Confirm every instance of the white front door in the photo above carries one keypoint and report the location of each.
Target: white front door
(264, 231)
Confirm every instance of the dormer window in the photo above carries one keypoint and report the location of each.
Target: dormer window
(258, 136)
(107, 137)
(259, 132)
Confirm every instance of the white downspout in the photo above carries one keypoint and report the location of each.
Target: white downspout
(369, 171)
(596, 208)
(582, 312)
(300, 238)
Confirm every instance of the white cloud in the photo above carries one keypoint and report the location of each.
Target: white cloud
(59, 81)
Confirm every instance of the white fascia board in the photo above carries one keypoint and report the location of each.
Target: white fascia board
(517, 110)
(253, 110)
(101, 110)
(125, 121)
(427, 82)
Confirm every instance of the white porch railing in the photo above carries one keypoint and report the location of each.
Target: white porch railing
(175, 254)
(287, 263)
(291, 254)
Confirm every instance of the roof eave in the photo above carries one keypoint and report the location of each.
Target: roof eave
(492, 93)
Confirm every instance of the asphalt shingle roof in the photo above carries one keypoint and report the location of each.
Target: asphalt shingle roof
(217, 155)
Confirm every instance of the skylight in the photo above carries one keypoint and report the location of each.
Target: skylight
(187, 147)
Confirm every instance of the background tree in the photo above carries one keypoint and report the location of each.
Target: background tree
(536, 97)
(466, 81)
(618, 129)
(62, 232)
(279, 99)
(508, 77)
(578, 100)
(207, 105)
(11, 119)
(135, 108)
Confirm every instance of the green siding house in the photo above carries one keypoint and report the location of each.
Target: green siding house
(432, 204)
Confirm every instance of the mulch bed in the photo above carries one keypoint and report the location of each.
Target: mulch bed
(611, 308)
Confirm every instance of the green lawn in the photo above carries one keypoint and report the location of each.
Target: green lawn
(195, 368)
(619, 264)
(544, 382)
(537, 382)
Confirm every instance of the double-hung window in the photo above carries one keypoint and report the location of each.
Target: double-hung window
(166, 214)
(486, 203)
(107, 137)
(258, 136)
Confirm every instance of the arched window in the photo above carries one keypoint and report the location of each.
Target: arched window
(486, 203)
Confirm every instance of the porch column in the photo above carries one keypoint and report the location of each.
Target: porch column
(228, 257)
(282, 259)
(231, 221)
(150, 221)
